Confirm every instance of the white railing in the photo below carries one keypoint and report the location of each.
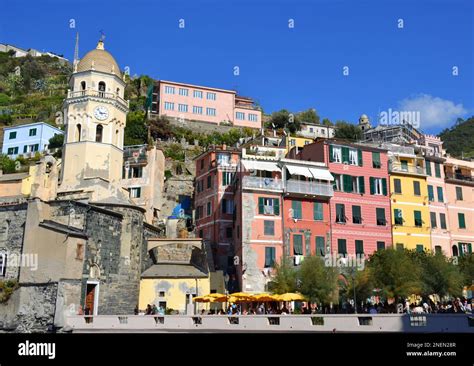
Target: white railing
(97, 94)
(261, 183)
(303, 187)
(423, 323)
(396, 167)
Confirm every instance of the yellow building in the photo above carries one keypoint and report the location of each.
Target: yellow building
(291, 141)
(409, 199)
(180, 272)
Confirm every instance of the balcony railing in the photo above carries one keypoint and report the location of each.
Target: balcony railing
(97, 94)
(314, 188)
(262, 183)
(459, 176)
(409, 168)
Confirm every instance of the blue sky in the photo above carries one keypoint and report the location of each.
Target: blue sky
(409, 68)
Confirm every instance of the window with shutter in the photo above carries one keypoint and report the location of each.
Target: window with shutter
(398, 185)
(318, 211)
(419, 248)
(345, 155)
(361, 185)
(461, 220)
(372, 185)
(397, 215)
(297, 211)
(416, 188)
(359, 246)
(442, 220)
(341, 246)
(428, 167)
(440, 194)
(347, 181)
(417, 217)
(380, 214)
(320, 247)
(433, 220)
(359, 156)
(269, 257)
(376, 160)
(430, 193)
(459, 193)
(298, 244)
(437, 170)
(340, 214)
(380, 245)
(269, 227)
(356, 215)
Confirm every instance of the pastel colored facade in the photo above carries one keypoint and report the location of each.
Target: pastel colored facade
(205, 104)
(360, 208)
(179, 273)
(15, 185)
(214, 201)
(28, 139)
(314, 130)
(95, 116)
(432, 149)
(459, 175)
(409, 199)
(143, 177)
(299, 142)
(275, 204)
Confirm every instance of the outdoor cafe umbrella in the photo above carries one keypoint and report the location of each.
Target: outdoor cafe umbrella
(264, 298)
(290, 296)
(203, 299)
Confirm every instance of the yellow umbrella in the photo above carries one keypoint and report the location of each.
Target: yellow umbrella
(216, 295)
(290, 296)
(203, 299)
(264, 297)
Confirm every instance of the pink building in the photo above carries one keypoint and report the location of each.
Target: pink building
(281, 210)
(360, 209)
(214, 201)
(432, 149)
(205, 104)
(459, 177)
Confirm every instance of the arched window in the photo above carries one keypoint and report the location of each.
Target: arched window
(116, 140)
(83, 85)
(77, 136)
(118, 91)
(455, 251)
(101, 88)
(98, 133)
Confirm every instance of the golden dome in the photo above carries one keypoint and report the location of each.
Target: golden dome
(99, 60)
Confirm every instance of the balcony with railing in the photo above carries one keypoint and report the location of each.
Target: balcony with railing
(406, 168)
(463, 177)
(311, 188)
(97, 94)
(250, 182)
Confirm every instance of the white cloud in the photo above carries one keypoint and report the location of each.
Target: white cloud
(434, 111)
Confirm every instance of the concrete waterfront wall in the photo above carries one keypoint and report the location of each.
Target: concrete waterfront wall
(334, 323)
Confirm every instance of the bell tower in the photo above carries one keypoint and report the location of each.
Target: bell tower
(94, 114)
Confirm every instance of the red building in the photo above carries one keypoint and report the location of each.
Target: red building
(360, 208)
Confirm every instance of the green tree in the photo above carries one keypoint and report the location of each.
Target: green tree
(318, 281)
(160, 128)
(439, 276)
(56, 141)
(135, 131)
(7, 164)
(466, 268)
(327, 122)
(364, 285)
(284, 279)
(284, 120)
(310, 115)
(395, 273)
(347, 131)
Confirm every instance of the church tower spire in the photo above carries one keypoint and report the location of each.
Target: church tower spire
(76, 52)
(95, 115)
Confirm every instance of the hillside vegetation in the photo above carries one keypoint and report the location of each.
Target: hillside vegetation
(459, 139)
